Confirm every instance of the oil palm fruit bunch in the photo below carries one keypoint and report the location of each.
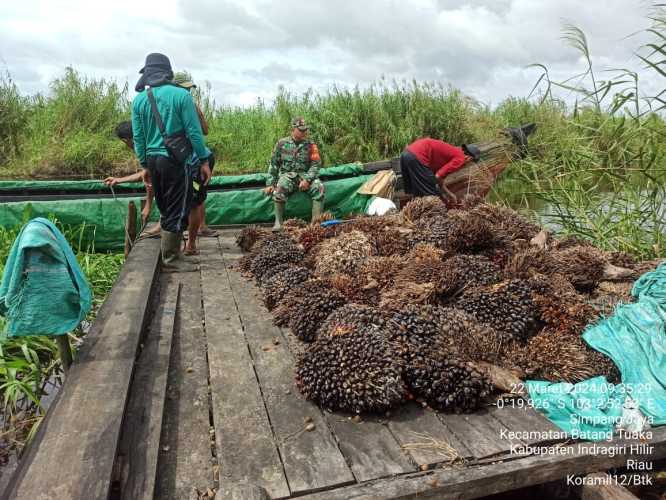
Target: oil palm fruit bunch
(460, 334)
(446, 383)
(356, 289)
(344, 254)
(355, 370)
(462, 271)
(391, 241)
(458, 232)
(306, 306)
(506, 307)
(355, 316)
(527, 262)
(506, 222)
(430, 206)
(310, 236)
(582, 265)
(249, 235)
(279, 284)
(381, 270)
(408, 293)
(273, 252)
(434, 372)
(561, 357)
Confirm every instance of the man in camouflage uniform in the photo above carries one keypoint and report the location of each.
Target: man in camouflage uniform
(295, 165)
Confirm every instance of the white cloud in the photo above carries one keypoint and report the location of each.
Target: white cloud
(247, 48)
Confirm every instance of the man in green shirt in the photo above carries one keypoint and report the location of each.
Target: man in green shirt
(170, 179)
(295, 165)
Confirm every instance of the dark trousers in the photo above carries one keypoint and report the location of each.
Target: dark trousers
(418, 179)
(172, 185)
(199, 195)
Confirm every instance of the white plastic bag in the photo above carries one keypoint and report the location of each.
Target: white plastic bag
(380, 206)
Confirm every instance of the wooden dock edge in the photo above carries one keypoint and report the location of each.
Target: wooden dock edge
(479, 481)
(72, 456)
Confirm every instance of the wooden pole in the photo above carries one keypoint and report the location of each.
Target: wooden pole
(144, 220)
(65, 351)
(130, 226)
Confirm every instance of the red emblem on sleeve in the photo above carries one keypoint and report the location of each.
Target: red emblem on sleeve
(314, 153)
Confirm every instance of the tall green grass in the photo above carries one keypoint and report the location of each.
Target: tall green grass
(601, 168)
(67, 133)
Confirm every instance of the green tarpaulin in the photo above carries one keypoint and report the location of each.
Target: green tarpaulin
(218, 181)
(104, 219)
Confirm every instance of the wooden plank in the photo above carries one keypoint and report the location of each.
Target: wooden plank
(526, 419)
(228, 247)
(601, 486)
(480, 432)
(311, 459)
(185, 459)
(245, 442)
(369, 447)
(140, 439)
(479, 481)
(424, 436)
(74, 451)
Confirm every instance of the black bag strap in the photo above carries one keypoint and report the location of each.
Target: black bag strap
(156, 113)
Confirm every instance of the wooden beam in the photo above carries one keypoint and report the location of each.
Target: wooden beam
(480, 432)
(243, 434)
(140, 440)
(602, 486)
(185, 456)
(74, 451)
(130, 228)
(479, 481)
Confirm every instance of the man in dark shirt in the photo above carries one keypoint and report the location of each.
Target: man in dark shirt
(426, 162)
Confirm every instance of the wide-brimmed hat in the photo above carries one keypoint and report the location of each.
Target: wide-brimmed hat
(183, 79)
(472, 150)
(156, 61)
(299, 123)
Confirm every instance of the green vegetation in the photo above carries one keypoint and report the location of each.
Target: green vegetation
(597, 168)
(601, 168)
(29, 366)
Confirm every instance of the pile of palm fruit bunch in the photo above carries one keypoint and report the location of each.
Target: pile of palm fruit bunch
(413, 305)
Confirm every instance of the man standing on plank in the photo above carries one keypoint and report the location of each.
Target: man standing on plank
(198, 214)
(426, 162)
(295, 165)
(166, 131)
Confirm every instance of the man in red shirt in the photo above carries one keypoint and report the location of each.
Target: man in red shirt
(425, 163)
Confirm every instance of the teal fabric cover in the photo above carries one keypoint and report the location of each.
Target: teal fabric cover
(588, 410)
(43, 290)
(634, 337)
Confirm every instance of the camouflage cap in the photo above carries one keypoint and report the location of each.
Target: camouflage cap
(299, 123)
(183, 79)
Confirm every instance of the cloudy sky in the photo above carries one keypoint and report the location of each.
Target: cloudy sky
(247, 48)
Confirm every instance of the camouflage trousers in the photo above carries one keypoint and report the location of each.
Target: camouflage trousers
(287, 184)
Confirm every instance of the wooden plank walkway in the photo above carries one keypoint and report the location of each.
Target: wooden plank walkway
(212, 411)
